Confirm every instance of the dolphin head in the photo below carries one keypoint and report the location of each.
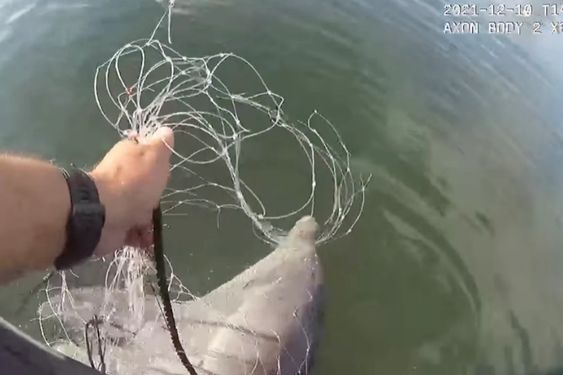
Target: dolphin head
(304, 229)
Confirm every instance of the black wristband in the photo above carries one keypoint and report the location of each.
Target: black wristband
(85, 221)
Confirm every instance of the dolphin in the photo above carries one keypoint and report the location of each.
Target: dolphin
(265, 321)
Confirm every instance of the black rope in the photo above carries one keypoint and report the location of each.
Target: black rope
(162, 280)
(95, 321)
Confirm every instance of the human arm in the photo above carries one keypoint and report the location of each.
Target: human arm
(35, 203)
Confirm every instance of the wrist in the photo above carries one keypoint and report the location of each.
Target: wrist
(110, 197)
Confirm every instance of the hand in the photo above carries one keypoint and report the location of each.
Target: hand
(130, 180)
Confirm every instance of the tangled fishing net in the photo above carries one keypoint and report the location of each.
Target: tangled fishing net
(147, 84)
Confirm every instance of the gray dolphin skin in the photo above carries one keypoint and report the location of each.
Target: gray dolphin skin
(265, 321)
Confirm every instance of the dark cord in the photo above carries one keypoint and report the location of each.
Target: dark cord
(95, 321)
(162, 280)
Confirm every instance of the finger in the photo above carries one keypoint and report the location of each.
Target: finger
(132, 240)
(158, 155)
(163, 137)
(159, 149)
(146, 238)
(140, 237)
(133, 138)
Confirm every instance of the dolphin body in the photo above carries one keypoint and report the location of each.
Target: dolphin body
(265, 321)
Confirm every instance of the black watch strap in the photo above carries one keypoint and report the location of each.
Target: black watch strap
(86, 219)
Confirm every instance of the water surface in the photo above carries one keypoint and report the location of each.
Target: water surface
(455, 267)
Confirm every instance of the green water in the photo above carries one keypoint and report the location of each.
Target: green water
(456, 265)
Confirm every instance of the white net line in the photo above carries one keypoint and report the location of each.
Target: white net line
(147, 84)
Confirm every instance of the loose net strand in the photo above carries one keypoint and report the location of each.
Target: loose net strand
(227, 138)
(189, 95)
